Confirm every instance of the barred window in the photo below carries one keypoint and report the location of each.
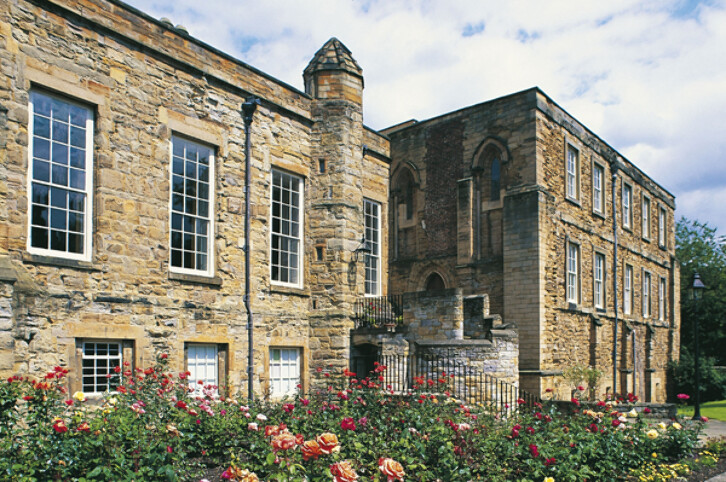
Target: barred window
(100, 360)
(286, 253)
(61, 173)
(192, 217)
(202, 366)
(284, 371)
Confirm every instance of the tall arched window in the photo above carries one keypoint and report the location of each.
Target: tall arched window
(405, 188)
(489, 178)
(496, 179)
(404, 212)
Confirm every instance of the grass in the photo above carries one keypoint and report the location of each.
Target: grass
(713, 410)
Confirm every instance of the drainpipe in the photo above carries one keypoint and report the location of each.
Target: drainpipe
(248, 110)
(614, 169)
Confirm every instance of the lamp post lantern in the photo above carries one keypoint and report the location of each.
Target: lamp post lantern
(697, 289)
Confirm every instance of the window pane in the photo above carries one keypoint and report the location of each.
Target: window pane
(286, 232)
(192, 198)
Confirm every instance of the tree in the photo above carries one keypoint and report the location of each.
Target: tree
(699, 249)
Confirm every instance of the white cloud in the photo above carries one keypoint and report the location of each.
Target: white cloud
(648, 77)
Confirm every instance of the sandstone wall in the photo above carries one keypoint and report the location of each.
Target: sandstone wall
(145, 82)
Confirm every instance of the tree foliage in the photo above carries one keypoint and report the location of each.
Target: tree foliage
(700, 249)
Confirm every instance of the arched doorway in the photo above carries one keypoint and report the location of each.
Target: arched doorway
(435, 282)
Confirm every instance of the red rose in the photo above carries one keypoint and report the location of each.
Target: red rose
(347, 424)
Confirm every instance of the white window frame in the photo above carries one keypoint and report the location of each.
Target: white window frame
(662, 286)
(627, 205)
(573, 273)
(662, 219)
(628, 290)
(372, 223)
(647, 284)
(180, 228)
(572, 172)
(276, 277)
(645, 215)
(285, 374)
(598, 275)
(598, 188)
(87, 191)
(99, 372)
(202, 360)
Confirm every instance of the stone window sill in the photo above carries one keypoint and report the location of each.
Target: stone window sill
(289, 290)
(574, 201)
(60, 262)
(193, 278)
(599, 214)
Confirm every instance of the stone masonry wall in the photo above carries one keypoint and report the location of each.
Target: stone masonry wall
(146, 82)
(580, 333)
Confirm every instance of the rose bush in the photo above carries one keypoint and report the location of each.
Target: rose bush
(154, 428)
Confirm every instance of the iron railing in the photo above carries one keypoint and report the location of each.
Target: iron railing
(449, 374)
(378, 311)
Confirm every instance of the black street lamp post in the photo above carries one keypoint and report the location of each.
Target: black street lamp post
(697, 290)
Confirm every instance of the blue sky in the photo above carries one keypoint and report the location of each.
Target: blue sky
(649, 77)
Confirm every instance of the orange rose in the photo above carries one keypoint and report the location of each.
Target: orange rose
(328, 443)
(311, 450)
(343, 472)
(390, 468)
(284, 441)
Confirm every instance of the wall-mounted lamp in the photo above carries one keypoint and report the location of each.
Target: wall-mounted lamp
(364, 247)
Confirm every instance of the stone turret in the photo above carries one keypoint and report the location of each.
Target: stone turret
(333, 73)
(335, 201)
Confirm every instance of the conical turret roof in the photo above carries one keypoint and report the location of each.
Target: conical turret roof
(333, 56)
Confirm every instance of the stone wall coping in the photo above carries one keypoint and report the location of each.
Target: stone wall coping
(504, 333)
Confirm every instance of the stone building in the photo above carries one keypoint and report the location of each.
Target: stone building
(514, 198)
(122, 219)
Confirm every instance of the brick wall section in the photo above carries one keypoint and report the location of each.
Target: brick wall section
(443, 159)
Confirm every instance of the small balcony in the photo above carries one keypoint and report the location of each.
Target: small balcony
(379, 312)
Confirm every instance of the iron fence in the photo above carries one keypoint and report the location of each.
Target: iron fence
(379, 311)
(436, 374)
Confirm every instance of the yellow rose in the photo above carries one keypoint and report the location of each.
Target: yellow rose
(328, 443)
(632, 413)
(662, 426)
(80, 396)
(549, 479)
(676, 426)
(652, 434)
(391, 468)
